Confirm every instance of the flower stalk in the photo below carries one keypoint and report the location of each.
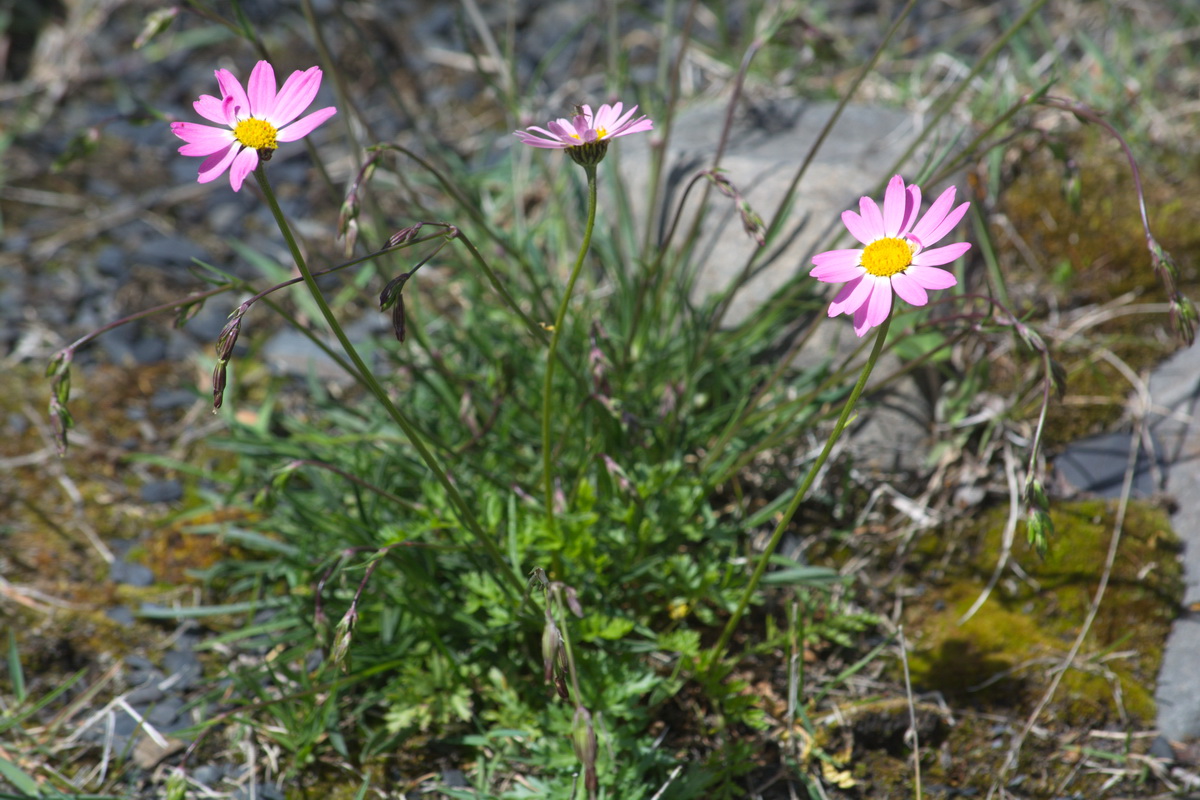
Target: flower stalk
(462, 509)
(551, 353)
(718, 649)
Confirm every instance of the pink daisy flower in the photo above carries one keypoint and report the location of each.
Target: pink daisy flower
(256, 119)
(895, 257)
(586, 135)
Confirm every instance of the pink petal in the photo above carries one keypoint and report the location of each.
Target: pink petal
(909, 290)
(296, 95)
(852, 296)
(931, 277)
(211, 109)
(895, 200)
(562, 129)
(620, 120)
(605, 116)
(534, 141)
(931, 228)
(861, 326)
(202, 140)
(587, 114)
(838, 304)
(627, 119)
(261, 89)
(232, 111)
(539, 132)
(231, 87)
(948, 224)
(837, 266)
(941, 255)
(243, 165)
(639, 125)
(911, 210)
(859, 228)
(213, 166)
(880, 303)
(872, 219)
(305, 125)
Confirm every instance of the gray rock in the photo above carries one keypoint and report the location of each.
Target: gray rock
(1175, 387)
(1097, 465)
(122, 615)
(183, 667)
(165, 712)
(167, 491)
(169, 399)
(149, 350)
(169, 250)
(146, 695)
(130, 575)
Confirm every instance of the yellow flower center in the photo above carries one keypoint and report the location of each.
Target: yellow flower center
(885, 257)
(257, 134)
(600, 134)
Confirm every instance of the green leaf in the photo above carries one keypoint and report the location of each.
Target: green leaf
(14, 668)
(802, 576)
(19, 778)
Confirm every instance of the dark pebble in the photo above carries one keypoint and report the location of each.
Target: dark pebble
(149, 350)
(1161, 748)
(139, 664)
(167, 399)
(167, 491)
(164, 713)
(130, 575)
(117, 344)
(184, 667)
(112, 261)
(169, 250)
(208, 774)
(266, 791)
(122, 615)
(145, 695)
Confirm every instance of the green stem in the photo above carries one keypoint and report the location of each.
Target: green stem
(463, 511)
(764, 559)
(555, 335)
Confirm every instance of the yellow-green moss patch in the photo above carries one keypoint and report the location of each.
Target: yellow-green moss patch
(1003, 655)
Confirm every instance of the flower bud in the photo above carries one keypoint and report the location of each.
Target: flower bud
(339, 653)
(218, 381)
(1183, 319)
(229, 335)
(583, 738)
(551, 645)
(1038, 530)
(589, 154)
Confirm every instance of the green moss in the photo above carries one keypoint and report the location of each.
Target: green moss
(993, 669)
(1091, 254)
(1004, 651)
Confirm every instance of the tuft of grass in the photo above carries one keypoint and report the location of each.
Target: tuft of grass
(374, 621)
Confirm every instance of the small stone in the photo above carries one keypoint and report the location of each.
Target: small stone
(130, 575)
(208, 774)
(168, 399)
(149, 350)
(144, 695)
(167, 491)
(122, 615)
(182, 668)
